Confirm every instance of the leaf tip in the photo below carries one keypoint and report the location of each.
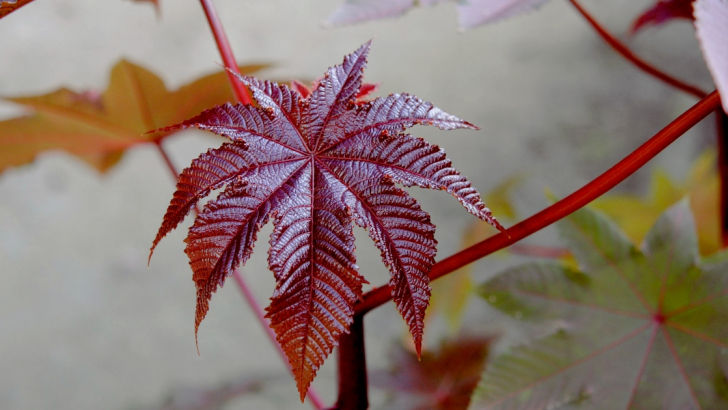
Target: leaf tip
(471, 126)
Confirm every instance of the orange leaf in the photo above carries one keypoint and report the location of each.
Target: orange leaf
(9, 6)
(98, 128)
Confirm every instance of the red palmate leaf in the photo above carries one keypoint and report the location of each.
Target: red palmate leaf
(662, 12)
(317, 161)
(364, 90)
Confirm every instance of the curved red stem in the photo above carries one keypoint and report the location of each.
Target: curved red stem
(241, 93)
(622, 49)
(566, 206)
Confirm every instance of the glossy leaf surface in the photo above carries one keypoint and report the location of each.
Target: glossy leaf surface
(316, 165)
(662, 12)
(637, 328)
(99, 127)
(472, 13)
(711, 24)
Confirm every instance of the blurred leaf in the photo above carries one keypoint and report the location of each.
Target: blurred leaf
(662, 12)
(711, 27)
(359, 11)
(98, 128)
(9, 6)
(472, 13)
(639, 329)
(451, 294)
(635, 215)
(444, 379)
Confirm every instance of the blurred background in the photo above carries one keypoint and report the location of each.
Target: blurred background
(85, 324)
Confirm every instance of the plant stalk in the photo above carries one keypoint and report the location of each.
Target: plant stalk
(723, 172)
(352, 368)
(249, 297)
(228, 59)
(622, 49)
(566, 206)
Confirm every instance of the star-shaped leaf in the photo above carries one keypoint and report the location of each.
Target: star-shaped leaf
(662, 12)
(472, 13)
(315, 165)
(99, 127)
(638, 328)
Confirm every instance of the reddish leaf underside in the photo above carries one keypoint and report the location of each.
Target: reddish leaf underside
(472, 13)
(442, 380)
(316, 161)
(711, 24)
(662, 12)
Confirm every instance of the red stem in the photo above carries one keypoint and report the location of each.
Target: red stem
(566, 206)
(241, 93)
(249, 297)
(634, 59)
(352, 368)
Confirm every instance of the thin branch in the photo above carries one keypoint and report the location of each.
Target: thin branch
(249, 297)
(566, 206)
(241, 93)
(622, 49)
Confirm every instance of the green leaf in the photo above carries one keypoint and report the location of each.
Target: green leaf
(635, 215)
(638, 328)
